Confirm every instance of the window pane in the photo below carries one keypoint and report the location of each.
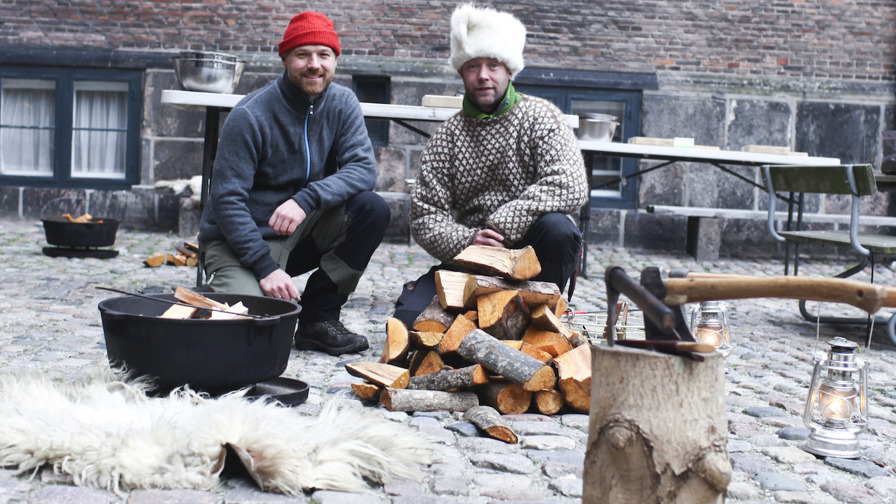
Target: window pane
(27, 126)
(99, 129)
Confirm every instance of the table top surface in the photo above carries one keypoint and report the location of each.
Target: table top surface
(697, 154)
(198, 101)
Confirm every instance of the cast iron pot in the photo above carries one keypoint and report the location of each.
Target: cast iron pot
(64, 233)
(210, 355)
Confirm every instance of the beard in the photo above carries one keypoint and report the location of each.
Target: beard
(315, 87)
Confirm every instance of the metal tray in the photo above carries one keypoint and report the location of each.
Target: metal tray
(286, 391)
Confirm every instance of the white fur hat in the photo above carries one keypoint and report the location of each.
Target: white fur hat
(483, 32)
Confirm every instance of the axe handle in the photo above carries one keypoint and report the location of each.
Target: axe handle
(697, 288)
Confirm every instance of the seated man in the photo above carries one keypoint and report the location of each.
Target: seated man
(292, 191)
(505, 172)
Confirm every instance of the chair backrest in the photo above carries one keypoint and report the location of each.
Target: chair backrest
(856, 180)
(822, 179)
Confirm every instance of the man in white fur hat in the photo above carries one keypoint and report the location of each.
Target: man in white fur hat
(506, 171)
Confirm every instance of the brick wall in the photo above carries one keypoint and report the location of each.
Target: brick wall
(849, 39)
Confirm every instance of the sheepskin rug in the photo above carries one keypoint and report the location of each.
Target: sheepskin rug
(106, 432)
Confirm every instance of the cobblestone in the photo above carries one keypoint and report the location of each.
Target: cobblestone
(49, 321)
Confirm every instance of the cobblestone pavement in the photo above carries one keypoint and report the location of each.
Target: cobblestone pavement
(49, 321)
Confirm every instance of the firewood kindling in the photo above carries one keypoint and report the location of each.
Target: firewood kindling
(498, 338)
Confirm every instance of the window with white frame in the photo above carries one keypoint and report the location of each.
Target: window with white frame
(69, 128)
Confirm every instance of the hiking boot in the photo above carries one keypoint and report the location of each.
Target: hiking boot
(329, 336)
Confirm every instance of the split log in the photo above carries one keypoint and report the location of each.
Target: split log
(548, 402)
(155, 260)
(366, 390)
(425, 362)
(521, 369)
(187, 252)
(576, 339)
(427, 400)
(191, 246)
(634, 453)
(426, 339)
(544, 317)
(514, 264)
(450, 289)
(550, 342)
(177, 311)
(574, 377)
(503, 314)
(194, 298)
(489, 421)
(536, 352)
(455, 334)
(447, 379)
(395, 349)
(506, 397)
(237, 311)
(560, 308)
(533, 293)
(433, 318)
(384, 375)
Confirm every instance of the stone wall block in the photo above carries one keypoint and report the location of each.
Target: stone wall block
(176, 159)
(41, 202)
(841, 130)
(392, 169)
(758, 122)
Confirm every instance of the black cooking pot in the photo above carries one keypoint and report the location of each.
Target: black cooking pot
(212, 355)
(63, 233)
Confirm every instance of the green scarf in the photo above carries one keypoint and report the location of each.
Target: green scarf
(511, 98)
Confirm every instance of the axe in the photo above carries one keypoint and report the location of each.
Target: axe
(661, 299)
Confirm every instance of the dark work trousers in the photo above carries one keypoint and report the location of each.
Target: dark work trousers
(337, 243)
(555, 239)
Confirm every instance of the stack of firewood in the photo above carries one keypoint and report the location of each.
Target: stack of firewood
(491, 337)
(183, 255)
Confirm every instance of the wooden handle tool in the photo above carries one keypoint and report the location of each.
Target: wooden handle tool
(694, 289)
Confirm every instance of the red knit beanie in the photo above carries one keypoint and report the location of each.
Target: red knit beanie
(309, 28)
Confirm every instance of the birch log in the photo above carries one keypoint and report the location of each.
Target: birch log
(657, 430)
(427, 400)
(521, 369)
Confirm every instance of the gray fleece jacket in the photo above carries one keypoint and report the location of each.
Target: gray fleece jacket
(277, 144)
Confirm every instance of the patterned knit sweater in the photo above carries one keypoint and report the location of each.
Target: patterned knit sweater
(502, 173)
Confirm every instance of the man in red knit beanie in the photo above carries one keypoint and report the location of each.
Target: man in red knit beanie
(293, 191)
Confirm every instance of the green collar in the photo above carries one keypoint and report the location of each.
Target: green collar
(511, 98)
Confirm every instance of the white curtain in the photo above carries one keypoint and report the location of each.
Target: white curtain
(99, 129)
(27, 125)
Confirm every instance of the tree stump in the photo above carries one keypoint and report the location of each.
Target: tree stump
(657, 431)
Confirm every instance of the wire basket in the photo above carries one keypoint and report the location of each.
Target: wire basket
(629, 323)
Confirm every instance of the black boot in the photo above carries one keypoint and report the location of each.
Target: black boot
(329, 336)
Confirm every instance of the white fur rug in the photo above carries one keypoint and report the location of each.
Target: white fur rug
(107, 433)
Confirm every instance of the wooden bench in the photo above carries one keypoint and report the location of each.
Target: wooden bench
(704, 229)
(854, 180)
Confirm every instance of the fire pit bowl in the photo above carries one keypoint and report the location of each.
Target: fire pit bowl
(209, 355)
(100, 232)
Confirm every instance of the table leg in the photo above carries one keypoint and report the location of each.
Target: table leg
(209, 149)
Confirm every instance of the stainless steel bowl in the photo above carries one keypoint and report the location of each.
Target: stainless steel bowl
(208, 74)
(208, 55)
(601, 130)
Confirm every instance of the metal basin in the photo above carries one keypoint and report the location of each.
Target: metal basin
(212, 355)
(597, 127)
(210, 74)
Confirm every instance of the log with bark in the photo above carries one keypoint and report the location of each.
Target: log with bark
(397, 344)
(489, 421)
(427, 400)
(533, 293)
(433, 318)
(506, 397)
(512, 264)
(384, 375)
(448, 379)
(521, 369)
(503, 314)
(574, 377)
